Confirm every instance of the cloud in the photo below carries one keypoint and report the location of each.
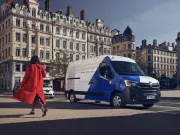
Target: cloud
(161, 22)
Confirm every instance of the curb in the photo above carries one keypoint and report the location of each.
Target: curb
(170, 98)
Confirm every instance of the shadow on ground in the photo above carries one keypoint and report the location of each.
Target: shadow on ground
(67, 105)
(148, 124)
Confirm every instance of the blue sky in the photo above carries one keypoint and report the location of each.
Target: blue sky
(149, 19)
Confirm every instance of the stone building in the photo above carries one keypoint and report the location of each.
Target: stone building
(124, 44)
(160, 58)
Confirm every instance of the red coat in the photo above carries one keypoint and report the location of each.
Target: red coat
(32, 84)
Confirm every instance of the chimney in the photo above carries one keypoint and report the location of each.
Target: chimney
(144, 43)
(82, 15)
(154, 43)
(47, 5)
(69, 10)
(9, 1)
(173, 45)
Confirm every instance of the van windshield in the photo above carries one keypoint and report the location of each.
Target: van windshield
(127, 68)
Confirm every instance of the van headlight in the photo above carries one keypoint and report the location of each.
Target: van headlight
(130, 83)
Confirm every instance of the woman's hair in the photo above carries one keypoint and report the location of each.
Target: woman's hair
(34, 60)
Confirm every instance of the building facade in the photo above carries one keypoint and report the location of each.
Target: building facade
(178, 57)
(69, 35)
(162, 59)
(24, 31)
(99, 38)
(124, 44)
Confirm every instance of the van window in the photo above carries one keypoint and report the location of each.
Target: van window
(105, 71)
(127, 68)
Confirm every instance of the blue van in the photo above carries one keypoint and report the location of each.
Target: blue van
(114, 79)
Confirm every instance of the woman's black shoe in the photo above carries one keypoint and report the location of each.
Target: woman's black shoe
(44, 112)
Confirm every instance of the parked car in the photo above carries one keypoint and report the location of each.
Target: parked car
(16, 87)
(48, 91)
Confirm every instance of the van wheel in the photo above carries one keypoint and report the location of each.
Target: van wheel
(117, 100)
(148, 105)
(72, 97)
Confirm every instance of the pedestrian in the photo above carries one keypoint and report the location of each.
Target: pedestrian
(31, 88)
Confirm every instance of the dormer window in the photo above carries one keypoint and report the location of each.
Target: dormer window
(33, 12)
(47, 17)
(41, 16)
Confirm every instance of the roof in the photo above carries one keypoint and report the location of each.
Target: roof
(128, 31)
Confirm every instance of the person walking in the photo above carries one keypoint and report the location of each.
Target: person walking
(31, 90)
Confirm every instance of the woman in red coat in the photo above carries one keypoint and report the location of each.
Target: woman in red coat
(31, 90)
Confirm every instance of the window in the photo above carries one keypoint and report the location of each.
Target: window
(9, 51)
(71, 32)
(77, 46)
(57, 56)
(41, 40)
(83, 36)
(18, 67)
(129, 46)
(129, 55)
(164, 66)
(9, 22)
(83, 57)
(24, 51)
(71, 57)
(47, 68)
(6, 25)
(57, 30)
(17, 22)
(33, 52)
(105, 71)
(124, 47)
(9, 37)
(64, 20)
(77, 34)
(6, 39)
(41, 16)
(47, 28)
(33, 39)
(18, 37)
(47, 42)
(149, 58)
(34, 12)
(117, 48)
(41, 27)
(24, 24)
(83, 47)
(58, 43)
(41, 54)
(77, 57)
(71, 45)
(33, 26)
(24, 67)
(91, 37)
(64, 44)
(24, 37)
(64, 31)
(47, 54)
(47, 17)
(155, 58)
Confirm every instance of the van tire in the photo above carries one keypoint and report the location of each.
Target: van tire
(117, 100)
(148, 105)
(72, 97)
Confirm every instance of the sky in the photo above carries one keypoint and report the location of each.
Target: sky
(149, 19)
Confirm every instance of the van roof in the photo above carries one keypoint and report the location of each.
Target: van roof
(111, 57)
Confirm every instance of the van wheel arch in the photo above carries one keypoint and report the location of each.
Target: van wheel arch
(70, 91)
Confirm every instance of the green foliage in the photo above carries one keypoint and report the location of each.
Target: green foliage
(59, 66)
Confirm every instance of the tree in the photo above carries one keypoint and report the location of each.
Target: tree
(141, 60)
(59, 66)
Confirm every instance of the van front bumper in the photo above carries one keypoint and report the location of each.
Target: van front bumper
(137, 95)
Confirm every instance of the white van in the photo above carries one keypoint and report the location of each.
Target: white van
(114, 79)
